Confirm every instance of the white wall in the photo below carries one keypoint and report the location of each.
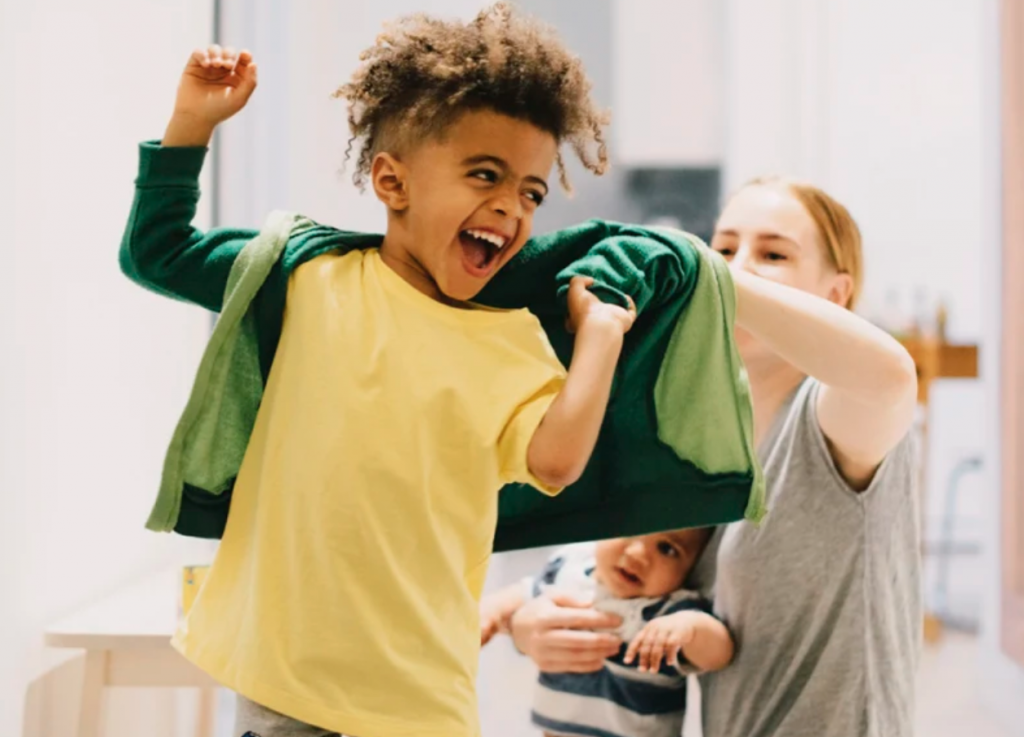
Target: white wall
(668, 77)
(93, 369)
(880, 103)
(776, 78)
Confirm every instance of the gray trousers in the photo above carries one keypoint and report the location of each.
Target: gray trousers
(253, 720)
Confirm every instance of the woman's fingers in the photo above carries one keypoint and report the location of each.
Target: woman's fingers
(581, 619)
(574, 651)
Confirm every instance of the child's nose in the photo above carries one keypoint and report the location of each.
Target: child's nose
(507, 205)
(637, 551)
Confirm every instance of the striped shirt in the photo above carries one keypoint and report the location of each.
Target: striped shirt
(618, 700)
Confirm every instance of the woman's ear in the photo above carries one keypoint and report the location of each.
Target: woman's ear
(389, 177)
(841, 290)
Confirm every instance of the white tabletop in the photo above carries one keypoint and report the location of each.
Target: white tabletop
(141, 616)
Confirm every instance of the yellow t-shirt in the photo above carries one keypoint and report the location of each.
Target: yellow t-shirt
(345, 590)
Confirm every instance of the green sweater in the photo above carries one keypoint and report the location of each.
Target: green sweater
(676, 446)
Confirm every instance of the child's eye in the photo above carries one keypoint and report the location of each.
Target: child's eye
(536, 197)
(487, 175)
(668, 549)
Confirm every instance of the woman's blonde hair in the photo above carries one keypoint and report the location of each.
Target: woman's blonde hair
(836, 228)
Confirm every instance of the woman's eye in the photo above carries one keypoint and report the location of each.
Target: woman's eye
(773, 256)
(726, 252)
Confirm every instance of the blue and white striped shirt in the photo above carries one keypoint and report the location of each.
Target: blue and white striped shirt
(618, 700)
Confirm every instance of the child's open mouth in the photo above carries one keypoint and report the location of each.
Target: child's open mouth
(480, 250)
(632, 578)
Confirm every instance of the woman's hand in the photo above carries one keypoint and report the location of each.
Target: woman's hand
(556, 632)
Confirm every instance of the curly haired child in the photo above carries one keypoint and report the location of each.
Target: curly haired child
(344, 596)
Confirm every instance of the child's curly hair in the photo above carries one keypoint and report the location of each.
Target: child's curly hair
(422, 73)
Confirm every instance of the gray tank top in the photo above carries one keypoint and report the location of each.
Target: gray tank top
(824, 598)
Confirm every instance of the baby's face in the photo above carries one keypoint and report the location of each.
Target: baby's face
(651, 565)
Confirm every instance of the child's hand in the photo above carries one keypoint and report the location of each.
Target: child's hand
(490, 625)
(215, 85)
(494, 616)
(586, 309)
(662, 639)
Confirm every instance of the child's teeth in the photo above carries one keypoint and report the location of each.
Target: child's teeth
(496, 240)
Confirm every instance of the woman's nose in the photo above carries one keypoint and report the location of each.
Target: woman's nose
(741, 261)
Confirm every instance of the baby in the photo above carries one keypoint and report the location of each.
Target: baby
(667, 630)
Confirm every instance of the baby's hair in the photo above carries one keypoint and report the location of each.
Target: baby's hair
(423, 73)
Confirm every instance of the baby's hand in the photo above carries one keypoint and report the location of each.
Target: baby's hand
(489, 627)
(215, 85)
(585, 308)
(661, 639)
(491, 623)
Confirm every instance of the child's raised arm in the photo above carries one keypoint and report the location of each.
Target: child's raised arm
(215, 85)
(161, 250)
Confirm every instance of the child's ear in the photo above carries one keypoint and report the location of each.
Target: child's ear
(388, 175)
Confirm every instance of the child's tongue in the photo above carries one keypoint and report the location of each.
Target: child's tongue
(475, 251)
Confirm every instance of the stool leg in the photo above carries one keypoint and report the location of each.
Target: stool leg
(90, 710)
(207, 712)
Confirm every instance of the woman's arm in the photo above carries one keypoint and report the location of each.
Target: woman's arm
(869, 382)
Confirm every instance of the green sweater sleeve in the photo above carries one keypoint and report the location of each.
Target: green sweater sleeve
(638, 262)
(161, 249)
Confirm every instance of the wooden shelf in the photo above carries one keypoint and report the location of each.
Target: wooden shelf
(939, 360)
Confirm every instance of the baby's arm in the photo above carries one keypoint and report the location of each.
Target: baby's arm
(496, 611)
(703, 640)
(563, 442)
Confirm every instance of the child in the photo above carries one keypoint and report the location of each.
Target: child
(345, 591)
(640, 692)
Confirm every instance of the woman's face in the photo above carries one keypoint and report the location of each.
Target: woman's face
(764, 230)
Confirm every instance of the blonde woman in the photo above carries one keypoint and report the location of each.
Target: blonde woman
(824, 597)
